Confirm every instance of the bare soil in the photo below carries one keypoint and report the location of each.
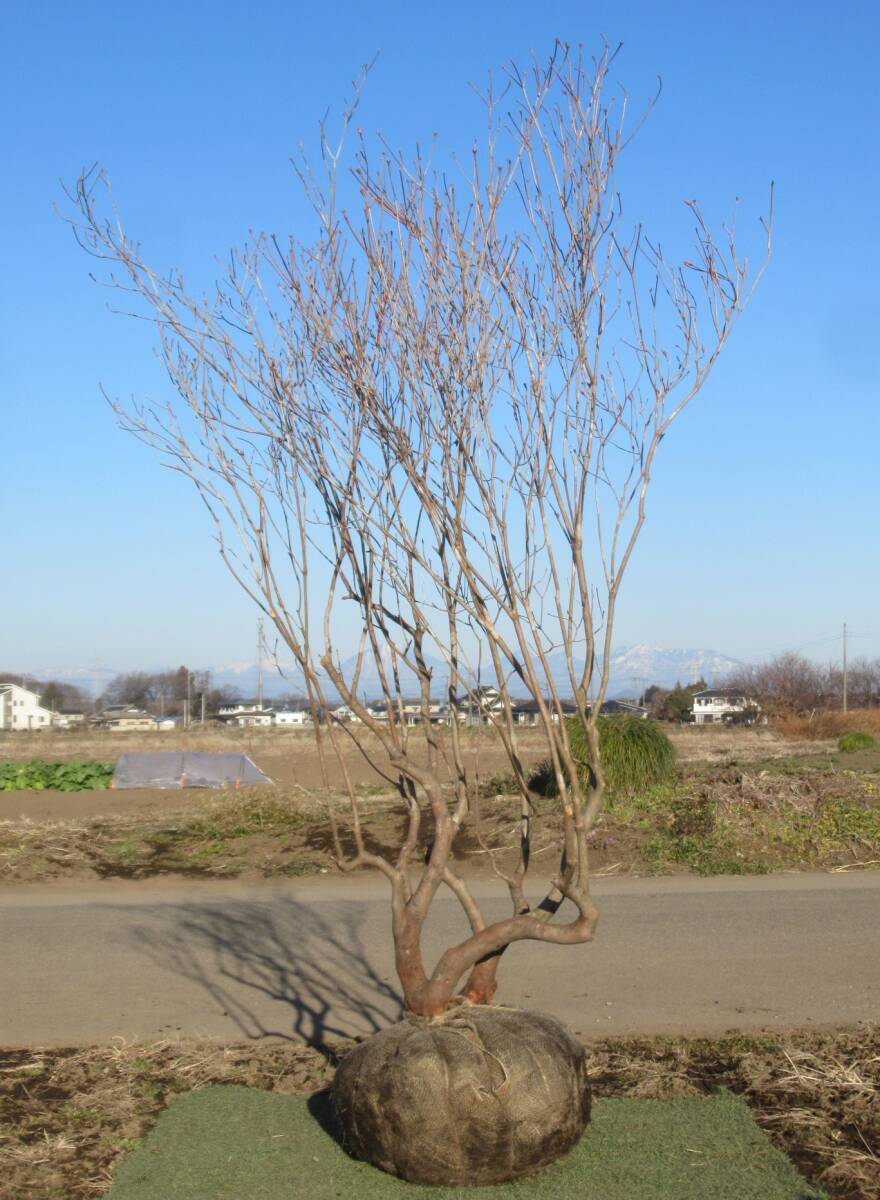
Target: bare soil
(741, 801)
(70, 1115)
(289, 758)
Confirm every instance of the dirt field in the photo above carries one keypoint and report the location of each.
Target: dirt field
(289, 758)
(740, 801)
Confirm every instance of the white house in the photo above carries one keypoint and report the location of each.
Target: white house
(479, 706)
(247, 713)
(20, 709)
(718, 706)
(345, 715)
(293, 718)
(233, 708)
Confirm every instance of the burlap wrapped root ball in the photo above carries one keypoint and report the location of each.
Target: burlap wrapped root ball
(481, 1095)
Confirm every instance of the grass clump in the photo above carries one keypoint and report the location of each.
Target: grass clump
(856, 741)
(636, 755)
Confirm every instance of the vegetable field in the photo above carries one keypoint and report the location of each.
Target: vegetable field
(37, 775)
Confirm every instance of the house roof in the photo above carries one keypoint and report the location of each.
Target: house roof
(7, 687)
(720, 692)
(119, 712)
(251, 712)
(531, 706)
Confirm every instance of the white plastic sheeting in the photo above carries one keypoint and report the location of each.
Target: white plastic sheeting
(190, 768)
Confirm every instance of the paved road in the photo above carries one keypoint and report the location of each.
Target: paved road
(311, 958)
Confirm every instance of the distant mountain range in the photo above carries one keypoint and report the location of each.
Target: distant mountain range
(633, 669)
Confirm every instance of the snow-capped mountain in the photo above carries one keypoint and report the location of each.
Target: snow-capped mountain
(633, 668)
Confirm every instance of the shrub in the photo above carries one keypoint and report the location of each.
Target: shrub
(636, 754)
(856, 741)
(829, 724)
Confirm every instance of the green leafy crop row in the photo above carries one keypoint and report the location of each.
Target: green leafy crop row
(57, 776)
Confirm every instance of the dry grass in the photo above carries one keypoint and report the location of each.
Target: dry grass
(260, 832)
(828, 725)
(816, 1094)
(70, 1114)
(721, 819)
(715, 743)
(692, 743)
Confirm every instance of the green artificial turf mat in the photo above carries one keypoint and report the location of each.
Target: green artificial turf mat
(235, 1143)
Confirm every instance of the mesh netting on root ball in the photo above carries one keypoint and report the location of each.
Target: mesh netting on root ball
(481, 1095)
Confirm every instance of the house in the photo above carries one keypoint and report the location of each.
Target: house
(719, 706)
(293, 718)
(527, 712)
(124, 718)
(615, 708)
(479, 706)
(247, 713)
(234, 708)
(20, 709)
(409, 712)
(344, 715)
(70, 718)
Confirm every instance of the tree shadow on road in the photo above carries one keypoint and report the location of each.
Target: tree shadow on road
(314, 963)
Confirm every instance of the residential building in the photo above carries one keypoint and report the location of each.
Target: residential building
(409, 712)
(479, 707)
(20, 709)
(293, 718)
(527, 712)
(68, 718)
(232, 708)
(612, 708)
(247, 713)
(719, 706)
(345, 715)
(124, 718)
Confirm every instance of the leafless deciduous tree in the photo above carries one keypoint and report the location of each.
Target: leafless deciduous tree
(437, 423)
(791, 684)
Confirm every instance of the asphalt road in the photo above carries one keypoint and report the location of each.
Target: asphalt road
(312, 958)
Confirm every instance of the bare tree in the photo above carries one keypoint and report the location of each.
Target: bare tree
(790, 684)
(436, 425)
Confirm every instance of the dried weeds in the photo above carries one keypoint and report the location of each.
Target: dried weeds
(69, 1115)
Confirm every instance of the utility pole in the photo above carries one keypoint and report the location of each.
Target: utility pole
(203, 710)
(189, 698)
(260, 663)
(845, 680)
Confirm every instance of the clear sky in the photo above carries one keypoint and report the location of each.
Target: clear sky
(763, 527)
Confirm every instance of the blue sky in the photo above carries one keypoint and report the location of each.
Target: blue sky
(762, 531)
